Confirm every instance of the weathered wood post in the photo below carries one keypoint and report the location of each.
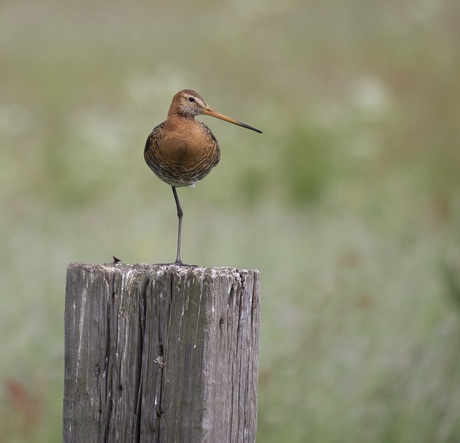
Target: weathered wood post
(160, 353)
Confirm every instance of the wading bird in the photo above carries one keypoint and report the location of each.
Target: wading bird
(182, 151)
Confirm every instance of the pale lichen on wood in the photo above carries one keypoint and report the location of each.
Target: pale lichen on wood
(160, 353)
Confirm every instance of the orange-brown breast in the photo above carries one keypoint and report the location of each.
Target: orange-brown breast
(181, 154)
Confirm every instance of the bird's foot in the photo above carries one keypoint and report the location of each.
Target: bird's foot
(177, 263)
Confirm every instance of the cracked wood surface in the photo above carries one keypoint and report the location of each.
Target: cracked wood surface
(160, 353)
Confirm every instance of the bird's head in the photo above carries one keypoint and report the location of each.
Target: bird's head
(188, 104)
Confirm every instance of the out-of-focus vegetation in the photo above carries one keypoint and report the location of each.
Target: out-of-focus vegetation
(348, 204)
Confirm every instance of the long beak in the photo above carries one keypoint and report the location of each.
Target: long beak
(209, 111)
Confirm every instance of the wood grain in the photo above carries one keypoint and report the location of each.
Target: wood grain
(160, 353)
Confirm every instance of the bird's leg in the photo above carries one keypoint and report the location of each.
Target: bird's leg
(180, 214)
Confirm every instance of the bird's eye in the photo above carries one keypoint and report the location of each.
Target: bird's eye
(191, 99)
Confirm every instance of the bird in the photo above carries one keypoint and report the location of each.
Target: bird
(182, 151)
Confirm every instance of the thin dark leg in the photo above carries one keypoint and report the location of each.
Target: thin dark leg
(180, 214)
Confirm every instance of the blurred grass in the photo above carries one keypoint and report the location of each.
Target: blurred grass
(349, 203)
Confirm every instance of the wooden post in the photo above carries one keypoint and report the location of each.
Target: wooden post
(160, 353)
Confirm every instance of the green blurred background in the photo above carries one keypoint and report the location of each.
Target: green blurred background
(348, 204)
